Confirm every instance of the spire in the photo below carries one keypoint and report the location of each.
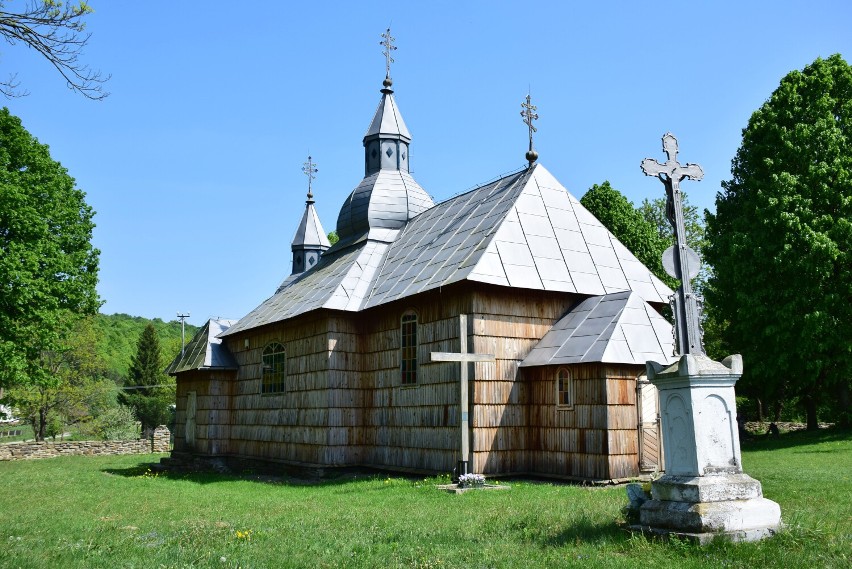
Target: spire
(310, 240)
(387, 139)
(388, 196)
(529, 115)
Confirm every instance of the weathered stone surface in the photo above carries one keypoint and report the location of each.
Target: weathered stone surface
(711, 517)
(698, 410)
(159, 442)
(718, 488)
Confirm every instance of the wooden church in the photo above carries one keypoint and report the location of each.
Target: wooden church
(503, 331)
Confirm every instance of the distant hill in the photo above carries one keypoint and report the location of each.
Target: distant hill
(119, 334)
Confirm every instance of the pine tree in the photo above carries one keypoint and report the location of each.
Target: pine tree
(150, 392)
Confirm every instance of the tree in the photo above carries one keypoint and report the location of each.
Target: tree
(48, 267)
(629, 225)
(333, 237)
(55, 30)
(150, 392)
(78, 392)
(780, 242)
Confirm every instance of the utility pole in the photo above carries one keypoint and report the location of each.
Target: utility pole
(182, 318)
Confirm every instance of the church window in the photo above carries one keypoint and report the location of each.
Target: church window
(408, 349)
(564, 389)
(274, 368)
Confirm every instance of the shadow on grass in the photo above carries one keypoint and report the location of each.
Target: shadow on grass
(797, 439)
(578, 532)
(145, 470)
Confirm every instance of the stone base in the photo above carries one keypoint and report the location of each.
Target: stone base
(700, 508)
(705, 538)
(711, 488)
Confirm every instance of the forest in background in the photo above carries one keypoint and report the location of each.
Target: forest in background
(118, 336)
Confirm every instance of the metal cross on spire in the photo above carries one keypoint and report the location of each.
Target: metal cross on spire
(680, 261)
(387, 42)
(310, 168)
(529, 115)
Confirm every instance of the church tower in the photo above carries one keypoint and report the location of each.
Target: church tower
(388, 196)
(310, 240)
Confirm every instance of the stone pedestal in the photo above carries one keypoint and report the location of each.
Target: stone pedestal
(704, 492)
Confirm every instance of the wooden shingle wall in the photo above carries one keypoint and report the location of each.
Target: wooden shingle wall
(344, 403)
(293, 425)
(415, 426)
(212, 413)
(507, 324)
(597, 439)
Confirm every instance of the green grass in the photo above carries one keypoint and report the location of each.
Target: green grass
(112, 512)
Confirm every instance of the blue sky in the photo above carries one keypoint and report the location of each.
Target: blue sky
(193, 163)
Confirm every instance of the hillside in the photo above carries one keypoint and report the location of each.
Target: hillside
(119, 334)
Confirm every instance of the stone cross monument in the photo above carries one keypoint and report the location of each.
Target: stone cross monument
(704, 492)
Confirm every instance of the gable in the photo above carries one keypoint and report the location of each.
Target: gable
(549, 241)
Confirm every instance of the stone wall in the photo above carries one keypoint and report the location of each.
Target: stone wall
(159, 442)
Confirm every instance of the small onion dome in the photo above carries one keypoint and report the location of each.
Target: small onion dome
(532, 156)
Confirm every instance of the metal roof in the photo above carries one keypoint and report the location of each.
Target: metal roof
(205, 350)
(614, 328)
(387, 122)
(386, 199)
(522, 231)
(309, 232)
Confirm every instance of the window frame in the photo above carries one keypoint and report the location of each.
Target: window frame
(560, 388)
(409, 323)
(274, 382)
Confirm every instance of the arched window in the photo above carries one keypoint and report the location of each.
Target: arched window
(274, 368)
(408, 348)
(564, 389)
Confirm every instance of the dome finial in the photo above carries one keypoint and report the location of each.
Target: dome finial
(310, 168)
(387, 42)
(529, 115)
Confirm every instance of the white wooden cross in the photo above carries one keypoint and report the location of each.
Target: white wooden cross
(464, 406)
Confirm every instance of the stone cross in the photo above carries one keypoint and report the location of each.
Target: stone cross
(465, 358)
(309, 168)
(387, 42)
(680, 261)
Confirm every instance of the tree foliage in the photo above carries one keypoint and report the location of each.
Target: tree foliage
(781, 240)
(48, 267)
(56, 30)
(149, 391)
(78, 393)
(630, 226)
(118, 336)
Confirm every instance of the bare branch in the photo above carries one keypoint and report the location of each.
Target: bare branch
(56, 30)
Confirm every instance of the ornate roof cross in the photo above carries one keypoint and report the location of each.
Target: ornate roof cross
(387, 41)
(529, 115)
(680, 261)
(309, 168)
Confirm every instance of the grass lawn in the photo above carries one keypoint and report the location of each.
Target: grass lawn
(112, 512)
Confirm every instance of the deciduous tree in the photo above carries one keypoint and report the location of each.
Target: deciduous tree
(780, 241)
(56, 30)
(48, 267)
(629, 225)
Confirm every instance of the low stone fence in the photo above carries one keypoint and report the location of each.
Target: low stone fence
(159, 442)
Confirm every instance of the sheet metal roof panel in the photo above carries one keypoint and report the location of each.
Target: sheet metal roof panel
(614, 328)
(388, 120)
(205, 350)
